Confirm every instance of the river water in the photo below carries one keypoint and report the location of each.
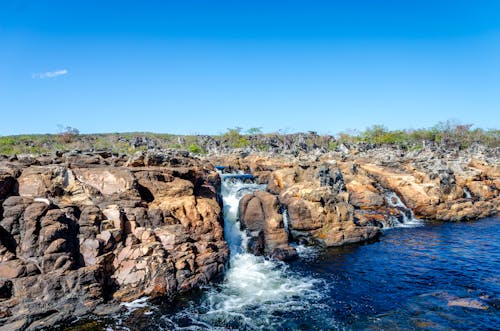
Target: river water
(439, 276)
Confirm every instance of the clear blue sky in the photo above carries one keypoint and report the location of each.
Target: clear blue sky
(204, 66)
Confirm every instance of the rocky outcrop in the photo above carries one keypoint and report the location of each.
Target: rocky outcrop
(343, 197)
(75, 235)
(318, 204)
(312, 192)
(438, 192)
(259, 214)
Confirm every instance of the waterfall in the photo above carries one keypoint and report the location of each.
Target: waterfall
(286, 221)
(467, 193)
(256, 290)
(234, 187)
(406, 219)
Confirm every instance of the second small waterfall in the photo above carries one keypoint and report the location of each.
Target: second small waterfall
(406, 219)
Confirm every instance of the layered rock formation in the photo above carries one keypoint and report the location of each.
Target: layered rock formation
(434, 186)
(81, 231)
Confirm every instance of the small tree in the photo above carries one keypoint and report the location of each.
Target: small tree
(235, 139)
(67, 134)
(253, 131)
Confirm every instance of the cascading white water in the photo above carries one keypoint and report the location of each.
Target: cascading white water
(407, 219)
(232, 190)
(255, 291)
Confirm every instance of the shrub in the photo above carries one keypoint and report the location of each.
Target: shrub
(193, 148)
(234, 138)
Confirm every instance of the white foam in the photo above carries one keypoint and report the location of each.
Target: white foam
(136, 304)
(254, 282)
(255, 291)
(307, 252)
(467, 193)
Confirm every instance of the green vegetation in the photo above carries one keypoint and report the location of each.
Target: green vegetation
(444, 133)
(235, 139)
(448, 134)
(193, 148)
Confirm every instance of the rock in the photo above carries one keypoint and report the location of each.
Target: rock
(42, 181)
(12, 269)
(89, 249)
(8, 182)
(136, 160)
(260, 216)
(79, 229)
(316, 199)
(305, 215)
(430, 192)
(158, 184)
(114, 184)
(468, 303)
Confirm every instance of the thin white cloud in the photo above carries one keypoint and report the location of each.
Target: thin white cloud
(49, 74)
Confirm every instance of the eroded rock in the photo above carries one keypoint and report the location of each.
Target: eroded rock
(260, 216)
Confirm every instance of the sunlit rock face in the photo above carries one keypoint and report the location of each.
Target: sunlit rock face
(76, 235)
(260, 216)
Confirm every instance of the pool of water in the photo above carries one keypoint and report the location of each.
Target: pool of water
(440, 276)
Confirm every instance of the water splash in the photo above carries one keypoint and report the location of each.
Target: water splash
(136, 304)
(257, 293)
(306, 252)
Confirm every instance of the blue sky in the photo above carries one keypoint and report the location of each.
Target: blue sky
(204, 66)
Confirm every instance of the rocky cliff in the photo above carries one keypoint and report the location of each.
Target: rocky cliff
(80, 230)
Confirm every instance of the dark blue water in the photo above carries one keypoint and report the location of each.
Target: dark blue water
(439, 277)
(443, 276)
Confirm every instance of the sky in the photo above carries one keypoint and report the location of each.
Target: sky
(200, 67)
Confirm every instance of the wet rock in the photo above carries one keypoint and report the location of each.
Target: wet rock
(468, 303)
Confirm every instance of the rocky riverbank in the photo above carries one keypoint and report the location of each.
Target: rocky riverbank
(80, 232)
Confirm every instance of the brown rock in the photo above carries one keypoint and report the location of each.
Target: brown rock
(42, 181)
(259, 214)
(12, 269)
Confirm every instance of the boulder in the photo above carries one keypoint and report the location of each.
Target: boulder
(259, 214)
